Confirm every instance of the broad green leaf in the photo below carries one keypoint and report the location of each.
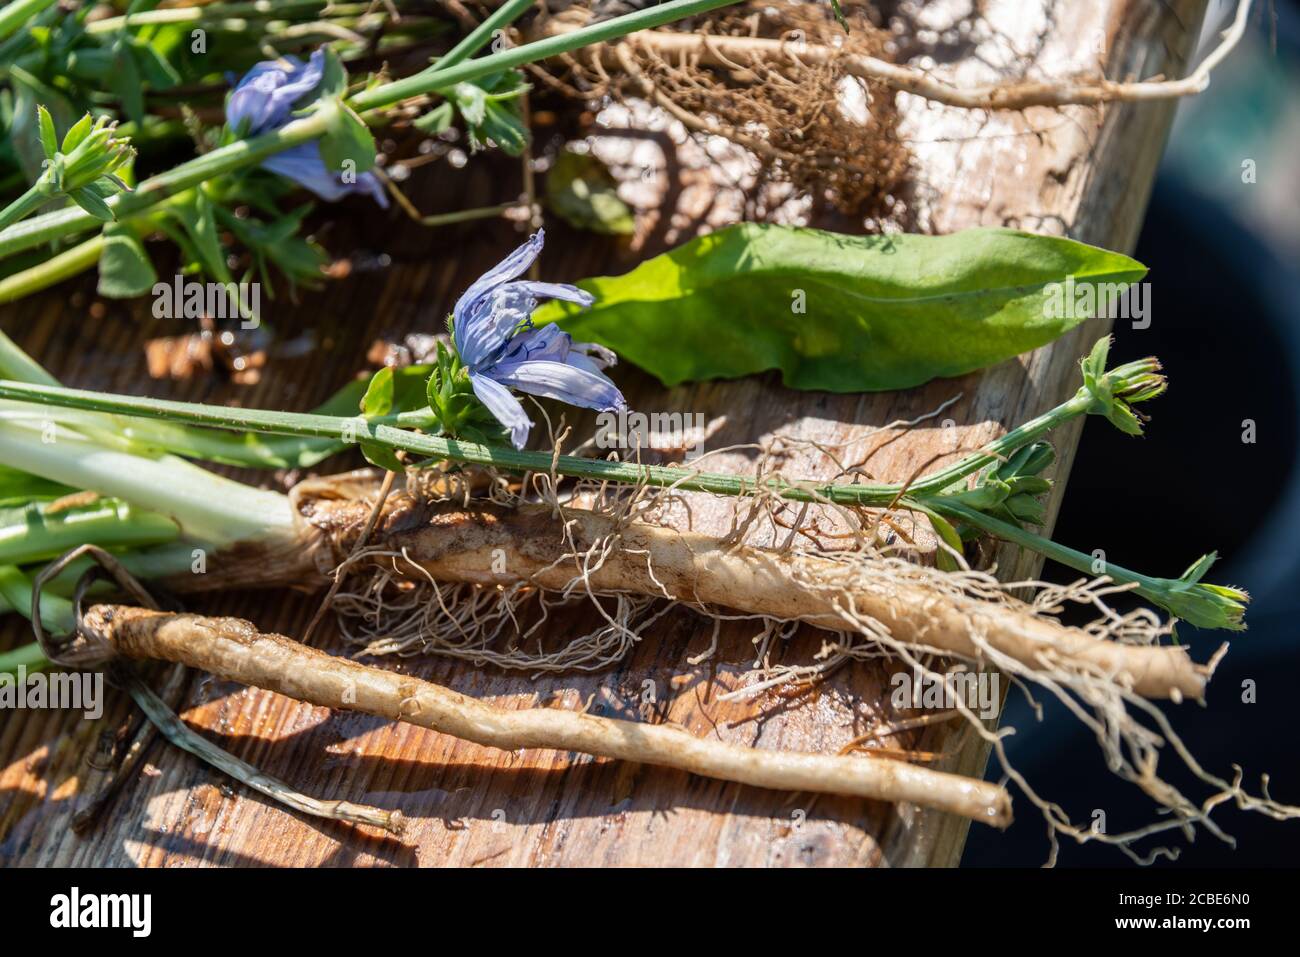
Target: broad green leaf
(581, 191)
(840, 313)
(124, 268)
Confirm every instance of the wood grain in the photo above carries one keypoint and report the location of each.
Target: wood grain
(1080, 172)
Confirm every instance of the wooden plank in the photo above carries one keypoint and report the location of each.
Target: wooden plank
(1081, 172)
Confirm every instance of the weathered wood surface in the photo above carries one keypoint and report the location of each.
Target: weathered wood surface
(1082, 172)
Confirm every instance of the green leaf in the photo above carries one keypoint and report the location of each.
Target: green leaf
(19, 488)
(159, 74)
(89, 200)
(944, 560)
(79, 131)
(396, 390)
(334, 77)
(49, 139)
(348, 145)
(471, 100)
(198, 220)
(124, 268)
(491, 111)
(838, 313)
(392, 391)
(126, 84)
(582, 192)
(436, 120)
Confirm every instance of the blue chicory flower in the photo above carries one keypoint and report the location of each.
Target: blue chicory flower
(494, 335)
(263, 101)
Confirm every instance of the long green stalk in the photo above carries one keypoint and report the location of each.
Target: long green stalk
(16, 15)
(52, 226)
(359, 429)
(57, 613)
(69, 263)
(208, 507)
(258, 9)
(480, 36)
(387, 432)
(37, 533)
(29, 657)
(24, 205)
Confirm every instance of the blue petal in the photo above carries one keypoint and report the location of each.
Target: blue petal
(504, 406)
(558, 380)
(495, 318)
(482, 331)
(548, 342)
(558, 290)
(509, 268)
(598, 356)
(303, 165)
(264, 98)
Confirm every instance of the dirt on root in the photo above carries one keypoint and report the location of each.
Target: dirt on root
(832, 136)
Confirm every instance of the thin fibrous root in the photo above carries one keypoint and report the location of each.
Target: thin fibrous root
(491, 545)
(234, 650)
(738, 53)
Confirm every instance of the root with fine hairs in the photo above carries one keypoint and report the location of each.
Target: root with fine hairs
(754, 56)
(234, 650)
(811, 101)
(787, 112)
(474, 576)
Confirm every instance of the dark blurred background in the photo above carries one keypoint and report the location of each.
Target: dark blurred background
(1224, 255)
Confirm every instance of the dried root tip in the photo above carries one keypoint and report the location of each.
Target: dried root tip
(234, 650)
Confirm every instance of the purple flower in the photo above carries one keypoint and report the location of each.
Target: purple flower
(263, 101)
(494, 335)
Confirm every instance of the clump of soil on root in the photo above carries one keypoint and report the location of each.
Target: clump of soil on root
(829, 135)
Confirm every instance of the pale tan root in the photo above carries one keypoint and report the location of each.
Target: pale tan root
(234, 650)
(735, 53)
(497, 546)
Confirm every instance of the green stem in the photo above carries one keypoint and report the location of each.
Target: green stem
(480, 36)
(18, 365)
(1001, 447)
(467, 215)
(34, 533)
(205, 505)
(1199, 604)
(29, 657)
(25, 204)
(17, 15)
(359, 429)
(250, 152)
(1037, 543)
(57, 613)
(65, 265)
(260, 10)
